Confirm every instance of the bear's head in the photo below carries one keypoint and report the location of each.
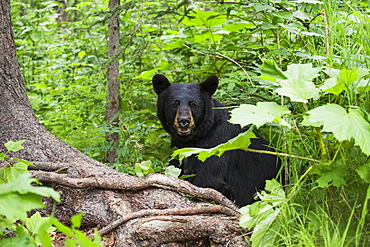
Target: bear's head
(185, 109)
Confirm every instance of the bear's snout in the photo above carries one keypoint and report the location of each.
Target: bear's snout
(184, 122)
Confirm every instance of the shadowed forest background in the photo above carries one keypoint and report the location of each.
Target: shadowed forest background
(307, 61)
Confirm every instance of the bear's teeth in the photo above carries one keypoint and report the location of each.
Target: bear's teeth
(183, 131)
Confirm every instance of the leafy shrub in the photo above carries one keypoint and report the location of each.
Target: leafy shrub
(19, 197)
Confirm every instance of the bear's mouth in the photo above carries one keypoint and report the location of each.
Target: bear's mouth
(184, 131)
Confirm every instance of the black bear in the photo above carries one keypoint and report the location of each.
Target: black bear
(194, 119)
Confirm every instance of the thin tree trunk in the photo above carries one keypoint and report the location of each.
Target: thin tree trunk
(113, 102)
(62, 14)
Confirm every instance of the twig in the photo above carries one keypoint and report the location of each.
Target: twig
(279, 154)
(221, 56)
(232, 60)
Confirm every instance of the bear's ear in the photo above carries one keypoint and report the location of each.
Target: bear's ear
(210, 85)
(160, 83)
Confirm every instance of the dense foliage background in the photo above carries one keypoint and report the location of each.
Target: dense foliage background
(310, 57)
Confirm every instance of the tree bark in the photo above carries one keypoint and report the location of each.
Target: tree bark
(62, 14)
(113, 102)
(129, 211)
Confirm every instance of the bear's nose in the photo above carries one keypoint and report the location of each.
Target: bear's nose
(183, 121)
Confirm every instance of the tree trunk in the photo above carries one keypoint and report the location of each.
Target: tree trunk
(129, 211)
(113, 103)
(62, 14)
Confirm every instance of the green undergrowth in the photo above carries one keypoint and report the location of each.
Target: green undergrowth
(20, 224)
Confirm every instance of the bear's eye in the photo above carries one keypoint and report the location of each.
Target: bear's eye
(192, 104)
(176, 104)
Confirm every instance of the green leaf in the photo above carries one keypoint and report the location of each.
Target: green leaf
(309, 1)
(364, 172)
(173, 171)
(299, 86)
(36, 36)
(97, 237)
(35, 221)
(238, 26)
(262, 7)
(204, 18)
(304, 72)
(81, 54)
(76, 220)
(363, 86)
(301, 15)
(40, 227)
(43, 237)
(332, 86)
(344, 125)
(14, 146)
(290, 28)
(15, 206)
(62, 228)
(20, 230)
(23, 185)
(254, 213)
(269, 68)
(144, 168)
(276, 193)
(19, 196)
(240, 141)
(262, 215)
(3, 156)
(265, 232)
(263, 112)
(17, 242)
(147, 75)
(27, 163)
(330, 174)
(78, 238)
(13, 172)
(342, 80)
(283, 14)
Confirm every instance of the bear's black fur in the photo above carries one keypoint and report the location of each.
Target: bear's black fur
(193, 119)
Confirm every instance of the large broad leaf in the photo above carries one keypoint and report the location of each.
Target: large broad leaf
(262, 215)
(241, 141)
(173, 171)
(330, 174)
(14, 146)
(19, 197)
(270, 69)
(15, 206)
(344, 125)
(299, 86)
(364, 172)
(266, 231)
(41, 228)
(147, 74)
(263, 112)
(23, 241)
